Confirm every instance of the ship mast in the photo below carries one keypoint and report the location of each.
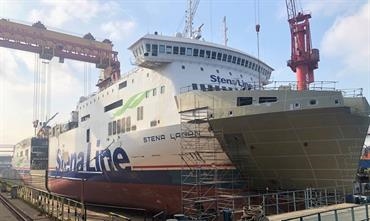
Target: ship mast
(225, 31)
(190, 12)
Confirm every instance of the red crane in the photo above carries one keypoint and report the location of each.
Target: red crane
(304, 59)
(49, 44)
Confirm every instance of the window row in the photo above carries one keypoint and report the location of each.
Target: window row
(155, 49)
(209, 87)
(243, 101)
(120, 126)
(154, 91)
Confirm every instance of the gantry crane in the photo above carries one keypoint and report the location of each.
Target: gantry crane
(48, 44)
(304, 59)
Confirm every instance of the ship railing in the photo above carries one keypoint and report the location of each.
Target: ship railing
(274, 85)
(58, 207)
(293, 85)
(353, 213)
(354, 92)
(278, 202)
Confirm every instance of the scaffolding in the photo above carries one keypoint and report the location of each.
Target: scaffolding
(207, 185)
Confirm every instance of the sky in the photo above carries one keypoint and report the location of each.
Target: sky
(340, 30)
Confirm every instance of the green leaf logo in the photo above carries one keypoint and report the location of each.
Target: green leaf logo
(132, 102)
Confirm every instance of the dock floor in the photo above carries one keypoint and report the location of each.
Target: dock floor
(29, 210)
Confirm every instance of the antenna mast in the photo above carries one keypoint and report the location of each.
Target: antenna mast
(190, 12)
(225, 31)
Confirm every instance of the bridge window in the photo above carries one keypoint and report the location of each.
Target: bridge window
(234, 60)
(219, 56)
(246, 63)
(168, 49)
(147, 47)
(267, 100)
(242, 62)
(162, 49)
(229, 57)
(154, 91)
(195, 52)
(208, 54)
(194, 86)
(182, 50)
(201, 53)
(188, 51)
(224, 57)
(238, 61)
(154, 50)
(214, 55)
(175, 50)
(242, 101)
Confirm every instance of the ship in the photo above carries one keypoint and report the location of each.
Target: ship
(29, 163)
(129, 144)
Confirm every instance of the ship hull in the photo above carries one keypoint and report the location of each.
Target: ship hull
(284, 139)
(137, 196)
(296, 149)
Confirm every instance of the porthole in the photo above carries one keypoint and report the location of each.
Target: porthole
(218, 71)
(230, 113)
(183, 67)
(230, 74)
(201, 68)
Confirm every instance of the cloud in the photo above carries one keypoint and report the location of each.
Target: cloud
(329, 7)
(17, 90)
(118, 29)
(57, 13)
(348, 40)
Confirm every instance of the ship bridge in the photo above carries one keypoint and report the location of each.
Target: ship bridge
(155, 50)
